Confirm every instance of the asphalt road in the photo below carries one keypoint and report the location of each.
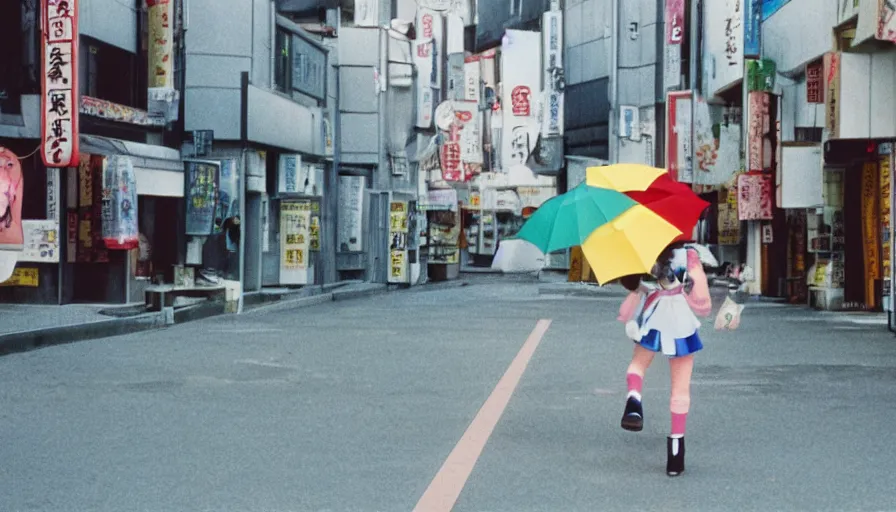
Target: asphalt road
(356, 405)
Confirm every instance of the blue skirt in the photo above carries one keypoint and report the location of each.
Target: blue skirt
(683, 346)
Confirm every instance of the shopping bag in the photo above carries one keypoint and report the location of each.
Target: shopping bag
(728, 318)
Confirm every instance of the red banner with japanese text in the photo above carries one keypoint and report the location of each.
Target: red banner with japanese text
(59, 83)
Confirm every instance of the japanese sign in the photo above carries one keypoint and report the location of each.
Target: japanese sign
(472, 78)
(734, 33)
(114, 112)
(832, 94)
(11, 188)
(754, 196)
(289, 174)
(25, 277)
(41, 241)
(423, 59)
(201, 196)
(349, 226)
(521, 74)
(815, 82)
(552, 122)
(729, 225)
(59, 83)
(675, 22)
(466, 115)
(430, 26)
(870, 227)
(398, 242)
(161, 43)
(521, 101)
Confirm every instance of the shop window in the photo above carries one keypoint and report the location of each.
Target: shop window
(807, 134)
(300, 67)
(108, 73)
(281, 61)
(18, 60)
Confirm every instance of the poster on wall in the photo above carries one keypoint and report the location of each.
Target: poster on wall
(351, 214)
(201, 196)
(295, 242)
(678, 136)
(59, 83)
(41, 241)
(119, 204)
(754, 196)
(12, 183)
(398, 242)
(886, 20)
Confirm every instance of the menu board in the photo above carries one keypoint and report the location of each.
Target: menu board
(295, 242)
(202, 180)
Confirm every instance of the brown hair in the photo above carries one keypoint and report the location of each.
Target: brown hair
(630, 282)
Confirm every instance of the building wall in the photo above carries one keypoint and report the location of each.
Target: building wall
(641, 26)
(220, 45)
(587, 45)
(799, 32)
(93, 21)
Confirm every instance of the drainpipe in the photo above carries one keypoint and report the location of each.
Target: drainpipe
(614, 84)
(693, 69)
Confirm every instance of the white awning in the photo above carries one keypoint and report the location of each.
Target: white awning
(159, 169)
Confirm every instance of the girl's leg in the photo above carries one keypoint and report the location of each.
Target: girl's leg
(633, 417)
(680, 369)
(679, 403)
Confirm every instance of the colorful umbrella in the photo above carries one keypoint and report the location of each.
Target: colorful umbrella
(568, 219)
(623, 177)
(628, 244)
(673, 201)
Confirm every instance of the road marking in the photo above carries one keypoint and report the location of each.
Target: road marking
(445, 488)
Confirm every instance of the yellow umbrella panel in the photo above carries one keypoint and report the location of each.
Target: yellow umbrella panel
(623, 177)
(629, 244)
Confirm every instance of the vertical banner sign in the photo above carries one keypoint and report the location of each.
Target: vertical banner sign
(752, 26)
(675, 27)
(870, 228)
(815, 82)
(521, 75)
(59, 83)
(467, 116)
(201, 196)
(832, 94)
(886, 194)
(119, 204)
(430, 26)
(729, 224)
(678, 136)
(161, 42)
(456, 76)
(552, 122)
(295, 241)
(675, 22)
(450, 155)
(11, 186)
(759, 157)
(398, 244)
(423, 50)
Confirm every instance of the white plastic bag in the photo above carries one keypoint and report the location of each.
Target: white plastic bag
(728, 318)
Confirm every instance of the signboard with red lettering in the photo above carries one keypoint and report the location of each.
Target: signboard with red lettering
(521, 101)
(815, 82)
(59, 83)
(674, 22)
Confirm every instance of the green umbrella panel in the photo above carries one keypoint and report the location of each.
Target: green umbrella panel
(568, 219)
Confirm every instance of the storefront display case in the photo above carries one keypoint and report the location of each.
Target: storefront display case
(825, 234)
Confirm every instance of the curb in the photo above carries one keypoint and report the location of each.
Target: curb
(301, 302)
(24, 341)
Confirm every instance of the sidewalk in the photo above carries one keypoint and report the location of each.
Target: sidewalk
(28, 327)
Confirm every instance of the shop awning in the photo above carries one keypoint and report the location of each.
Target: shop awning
(159, 169)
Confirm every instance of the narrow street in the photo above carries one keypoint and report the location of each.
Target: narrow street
(355, 406)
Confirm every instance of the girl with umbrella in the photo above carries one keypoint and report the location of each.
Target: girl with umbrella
(661, 316)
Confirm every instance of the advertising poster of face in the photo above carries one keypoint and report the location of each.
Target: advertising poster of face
(11, 187)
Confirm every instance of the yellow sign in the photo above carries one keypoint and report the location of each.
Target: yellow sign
(23, 277)
(832, 93)
(161, 42)
(729, 224)
(885, 205)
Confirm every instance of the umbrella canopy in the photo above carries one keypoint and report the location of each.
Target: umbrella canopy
(673, 201)
(516, 256)
(623, 177)
(629, 244)
(568, 219)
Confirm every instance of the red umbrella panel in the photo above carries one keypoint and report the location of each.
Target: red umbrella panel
(673, 201)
